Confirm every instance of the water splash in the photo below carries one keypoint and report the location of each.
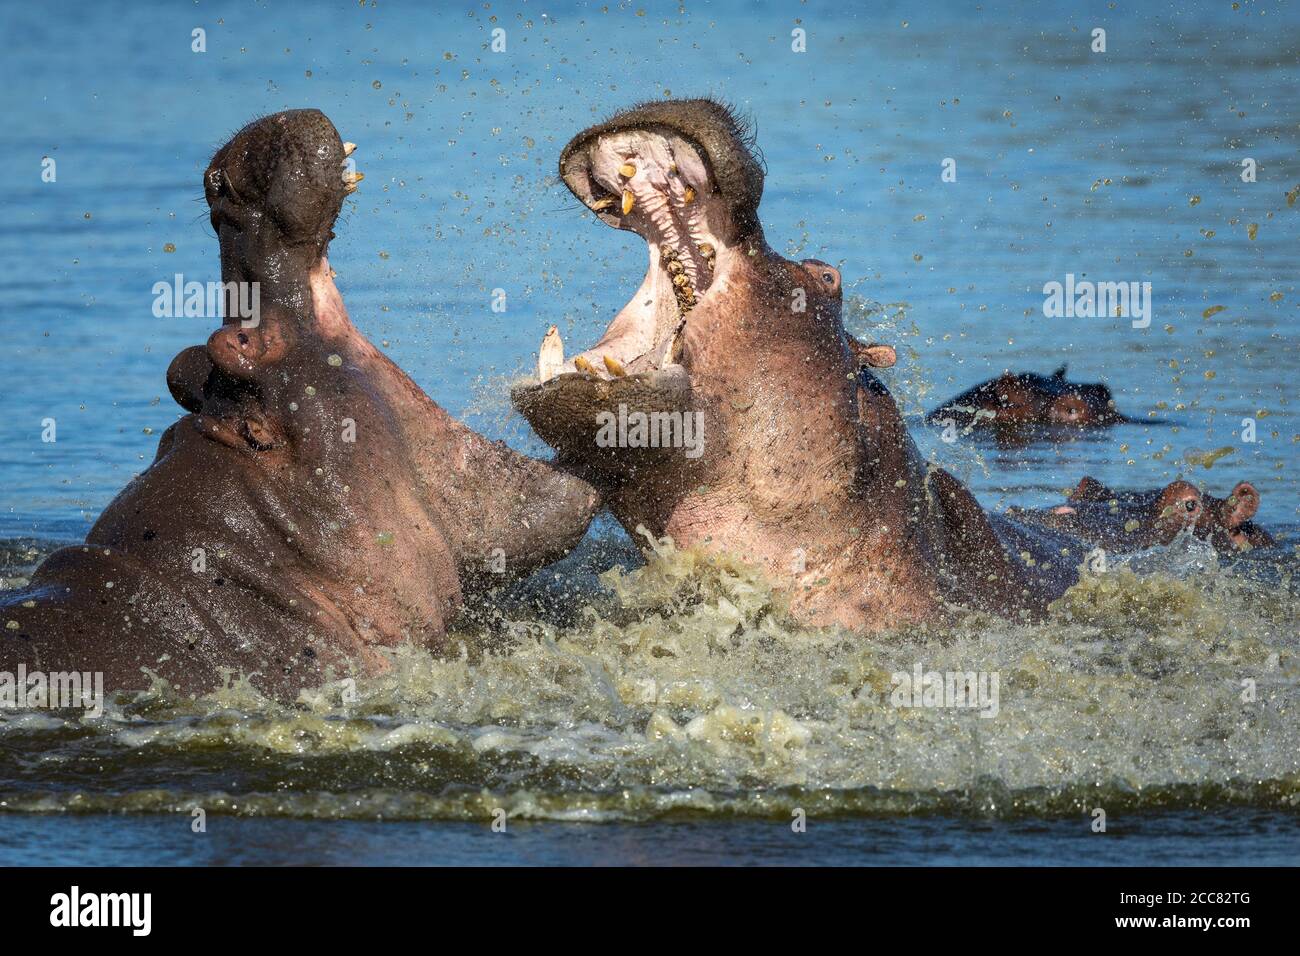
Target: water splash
(683, 688)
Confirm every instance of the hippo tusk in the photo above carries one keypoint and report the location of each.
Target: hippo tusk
(550, 358)
(615, 367)
(349, 149)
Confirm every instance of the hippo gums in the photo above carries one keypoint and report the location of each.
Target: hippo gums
(1135, 520)
(314, 505)
(807, 469)
(1024, 401)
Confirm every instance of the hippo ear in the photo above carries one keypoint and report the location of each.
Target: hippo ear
(241, 352)
(1060, 373)
(1240, 506)
(874, 355)
(1090, 489)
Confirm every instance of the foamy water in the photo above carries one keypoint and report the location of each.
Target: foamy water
(681, 690)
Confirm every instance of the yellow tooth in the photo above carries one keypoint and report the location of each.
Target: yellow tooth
(628, 201)
(627, 170)
(582, 365)
(333, 274)
(353, 178)
(349, 149)
(690, 195)
(706, 249)
(614, 367)
(603, 203)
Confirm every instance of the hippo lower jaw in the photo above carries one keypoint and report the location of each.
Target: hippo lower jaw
(657, 182)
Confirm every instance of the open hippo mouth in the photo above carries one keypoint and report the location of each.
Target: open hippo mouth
(683, 177)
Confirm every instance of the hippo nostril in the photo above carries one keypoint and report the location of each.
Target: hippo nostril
(243, 338)
(1190, 504)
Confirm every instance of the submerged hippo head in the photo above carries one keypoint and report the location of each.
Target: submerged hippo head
(1228, 523)
(1018, 402)
(314, 505)
(1134, 520)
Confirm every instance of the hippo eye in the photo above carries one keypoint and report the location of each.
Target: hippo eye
(828, 278)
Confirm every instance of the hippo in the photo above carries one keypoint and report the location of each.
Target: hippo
(1126, 521)
(313, 507)
(805, 468)
(1014, 404)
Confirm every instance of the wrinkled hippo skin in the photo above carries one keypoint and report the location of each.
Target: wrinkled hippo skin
(1125, 521)
(806, 469)
(314, 506)
(1025, 404)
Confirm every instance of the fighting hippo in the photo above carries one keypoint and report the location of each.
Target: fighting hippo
(1135, 520)
(314, 505)
(725, 405)
(1014, 404)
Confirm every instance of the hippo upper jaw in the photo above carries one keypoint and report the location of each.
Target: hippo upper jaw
(274, 192)
(682, 176)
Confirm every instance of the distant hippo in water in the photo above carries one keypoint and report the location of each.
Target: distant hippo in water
(314, 505)
(806, 468)
(1135, 520)
(1022, 402)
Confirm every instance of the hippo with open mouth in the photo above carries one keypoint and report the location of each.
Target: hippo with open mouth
(798, 460)
(1124, 521)
(314, 506)
(1016, 404)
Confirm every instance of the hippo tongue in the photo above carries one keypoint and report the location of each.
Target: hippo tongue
(653, 182)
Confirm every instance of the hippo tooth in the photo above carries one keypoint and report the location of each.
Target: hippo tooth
(582, 365)
(603, 203)
(690, 195)
(615, 367)
(551, 355)
(349, 149)
(628, 201)
(353, 178)
(627, 170)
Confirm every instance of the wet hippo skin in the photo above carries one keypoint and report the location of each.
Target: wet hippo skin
(1125, 521)
(314, 506)
(1024, 404)
(806, 468)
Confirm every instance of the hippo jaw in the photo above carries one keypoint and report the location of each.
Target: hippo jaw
(274, 192)
(682, 176)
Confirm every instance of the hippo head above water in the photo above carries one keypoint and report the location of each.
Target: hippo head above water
(314, 506)
(683, 176)
(726, 406)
